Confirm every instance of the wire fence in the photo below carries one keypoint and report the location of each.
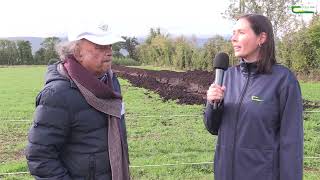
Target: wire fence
(5, 119)
(28, 121)
(147, 165)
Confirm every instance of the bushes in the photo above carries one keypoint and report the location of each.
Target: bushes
(300, 50)
(181, 53)
(125, 61)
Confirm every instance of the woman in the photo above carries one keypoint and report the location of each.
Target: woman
(259, 116)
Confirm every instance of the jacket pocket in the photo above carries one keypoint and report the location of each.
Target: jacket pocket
(252, 164)
(92, 168)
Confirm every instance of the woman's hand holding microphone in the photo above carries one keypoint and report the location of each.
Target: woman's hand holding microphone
(215, 93)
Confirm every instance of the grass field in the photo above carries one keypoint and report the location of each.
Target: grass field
(163, 137)
(310, 91)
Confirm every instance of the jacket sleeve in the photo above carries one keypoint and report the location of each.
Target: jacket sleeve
(291, 133)
(212, 118)
(47, 136)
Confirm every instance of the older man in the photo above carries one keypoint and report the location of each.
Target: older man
(79, 131)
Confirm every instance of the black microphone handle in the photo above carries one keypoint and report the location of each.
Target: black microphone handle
(218, 80)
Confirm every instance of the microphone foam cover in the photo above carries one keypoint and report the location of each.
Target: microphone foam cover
(221, 61)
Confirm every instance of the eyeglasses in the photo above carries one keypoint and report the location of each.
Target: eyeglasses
(103, 47)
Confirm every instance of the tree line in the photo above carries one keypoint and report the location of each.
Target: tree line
(20, 52)
(297, 44)
(299, 50)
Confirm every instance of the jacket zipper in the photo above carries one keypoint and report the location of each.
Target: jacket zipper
(92, 168)
(237, 119)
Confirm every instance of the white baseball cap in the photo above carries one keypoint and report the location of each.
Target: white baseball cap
(99, 35)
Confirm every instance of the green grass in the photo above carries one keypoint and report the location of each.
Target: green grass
(156, 136)
(18, 88)
(165, 139)
(310, 91)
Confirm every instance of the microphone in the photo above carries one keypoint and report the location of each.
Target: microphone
(220, 64)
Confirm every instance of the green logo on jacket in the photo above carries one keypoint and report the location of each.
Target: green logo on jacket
(256, 98)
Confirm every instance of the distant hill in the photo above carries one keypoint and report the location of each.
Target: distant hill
(200, 40)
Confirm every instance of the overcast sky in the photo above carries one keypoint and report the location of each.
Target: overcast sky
(43, 18)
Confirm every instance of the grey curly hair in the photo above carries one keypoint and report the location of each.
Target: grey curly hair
(66, 48)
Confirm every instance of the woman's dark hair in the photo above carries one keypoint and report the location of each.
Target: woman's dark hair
(259, 24)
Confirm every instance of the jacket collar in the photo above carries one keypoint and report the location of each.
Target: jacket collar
(248, 68)
(62, 72)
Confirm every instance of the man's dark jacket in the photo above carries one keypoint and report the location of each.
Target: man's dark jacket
(69, 138)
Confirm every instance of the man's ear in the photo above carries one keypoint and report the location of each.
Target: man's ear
(77, 52)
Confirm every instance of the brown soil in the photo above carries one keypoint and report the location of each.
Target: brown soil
(186, 87)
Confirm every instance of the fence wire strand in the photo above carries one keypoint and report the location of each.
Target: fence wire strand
(3, 120)
(147, 165)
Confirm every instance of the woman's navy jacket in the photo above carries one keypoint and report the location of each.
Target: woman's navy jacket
(259, 125)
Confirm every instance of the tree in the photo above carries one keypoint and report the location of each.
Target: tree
(300, 50)
(39, 57)
(49, 46)
(116, 47)
(8, 52)
(130, 45)
(156, 50)
(293, 51)
(154, 33)
(162, 50)
(213, 46)
(25, 52)
(277, 11)
(144, 54)
(182, 57)
(314, 38)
